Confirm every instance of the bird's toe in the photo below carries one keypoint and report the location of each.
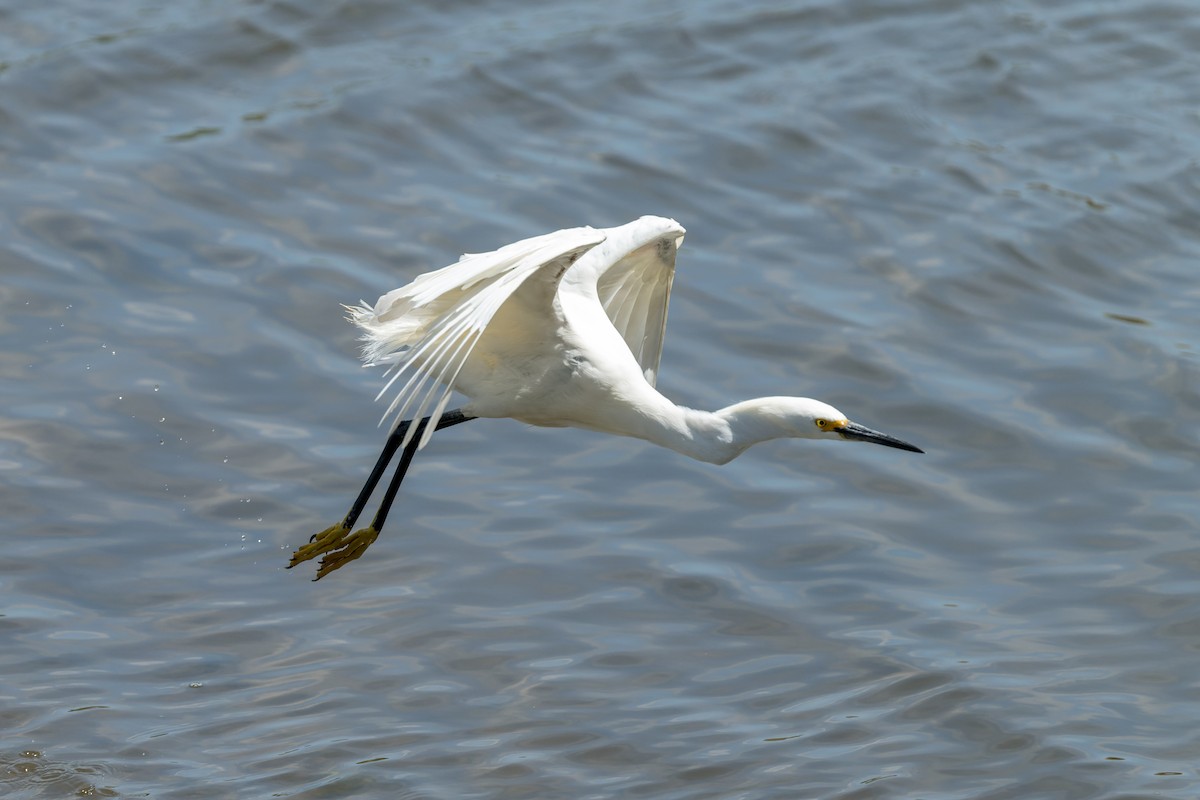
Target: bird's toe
(320, 543)
(350, 548)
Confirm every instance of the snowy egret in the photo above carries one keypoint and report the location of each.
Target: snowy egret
(561, 330)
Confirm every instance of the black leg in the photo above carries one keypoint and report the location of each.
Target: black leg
(389, 451)
(336, 543)
(449, 418)
(389, 496)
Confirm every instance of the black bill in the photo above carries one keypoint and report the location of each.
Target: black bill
(859, 433)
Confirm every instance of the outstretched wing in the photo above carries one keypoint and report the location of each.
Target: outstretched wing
(635, 287)
(426, 330)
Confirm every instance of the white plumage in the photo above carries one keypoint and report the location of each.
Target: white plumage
(441, 332)
(564, 329)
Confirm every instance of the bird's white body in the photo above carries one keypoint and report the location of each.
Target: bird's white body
(564, 329)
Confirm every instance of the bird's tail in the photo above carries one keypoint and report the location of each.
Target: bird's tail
(385, 337)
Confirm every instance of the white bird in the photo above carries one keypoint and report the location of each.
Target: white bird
(561, 330)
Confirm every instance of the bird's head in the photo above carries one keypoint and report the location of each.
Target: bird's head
(805, 418)
(828, 422)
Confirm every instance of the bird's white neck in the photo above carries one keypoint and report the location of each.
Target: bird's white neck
(718, 437)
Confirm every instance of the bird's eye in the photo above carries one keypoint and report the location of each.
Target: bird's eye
(822, 424)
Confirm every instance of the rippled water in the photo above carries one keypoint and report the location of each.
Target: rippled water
(971, 225)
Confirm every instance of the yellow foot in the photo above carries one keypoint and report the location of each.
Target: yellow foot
(351, 548)
(320, 543)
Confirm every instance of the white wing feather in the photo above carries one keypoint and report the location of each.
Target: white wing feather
(425, 331)
(635, 285)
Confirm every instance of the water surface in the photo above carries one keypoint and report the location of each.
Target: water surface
(971, 225)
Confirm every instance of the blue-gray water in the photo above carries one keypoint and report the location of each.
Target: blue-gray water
(975, 226)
